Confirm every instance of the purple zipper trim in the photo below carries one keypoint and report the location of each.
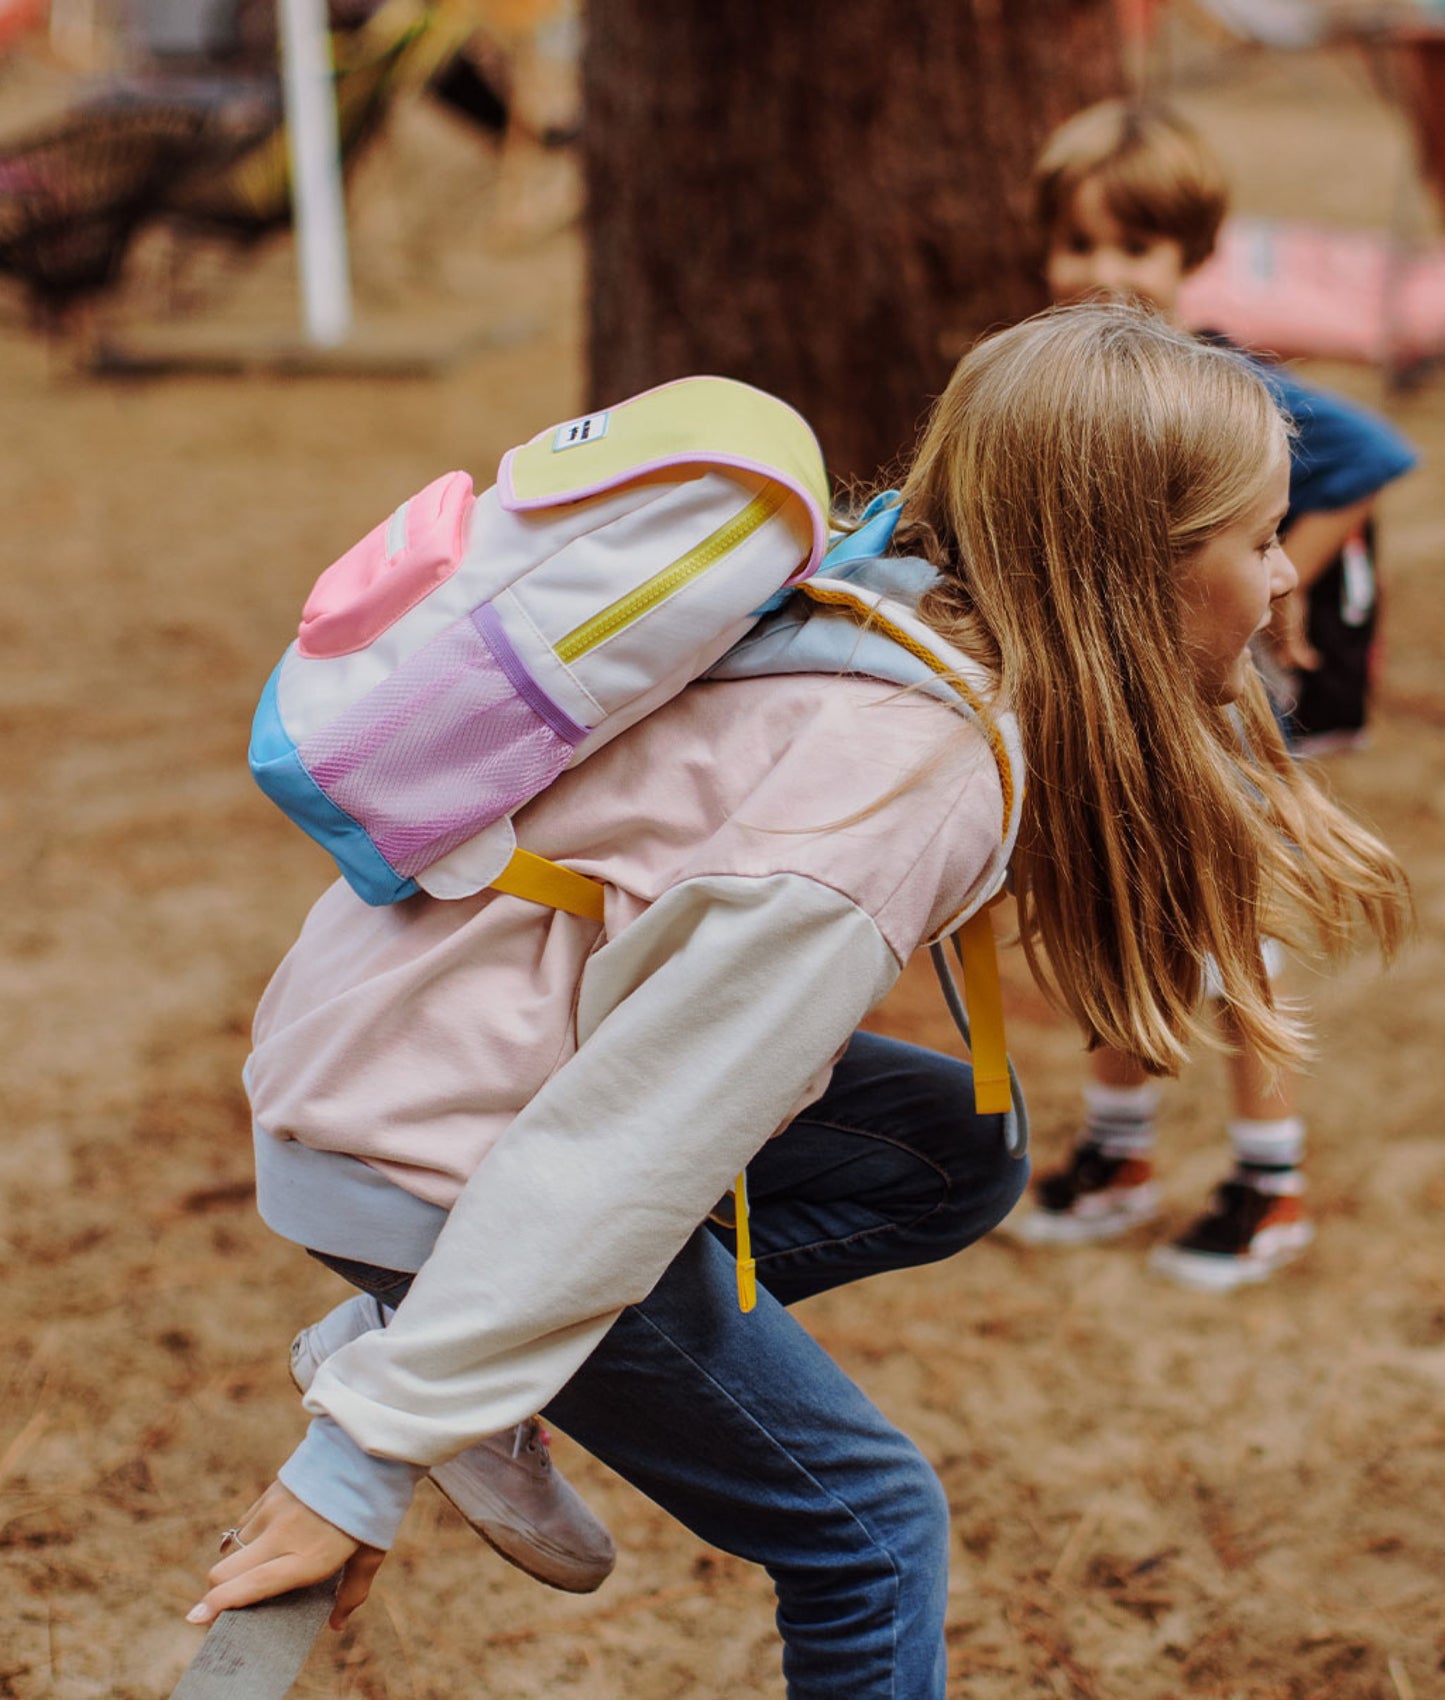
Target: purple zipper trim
(492, 634)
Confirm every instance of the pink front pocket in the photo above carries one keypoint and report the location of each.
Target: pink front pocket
(393, 567)
(459, 736)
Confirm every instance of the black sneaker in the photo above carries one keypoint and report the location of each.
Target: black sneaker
(1244, 1236)
(1096, 1197)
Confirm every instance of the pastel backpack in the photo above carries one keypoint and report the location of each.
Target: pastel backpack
(473, 647)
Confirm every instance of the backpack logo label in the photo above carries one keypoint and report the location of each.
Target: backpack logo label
(578, 431)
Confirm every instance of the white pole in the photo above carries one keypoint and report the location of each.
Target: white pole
(313, 142)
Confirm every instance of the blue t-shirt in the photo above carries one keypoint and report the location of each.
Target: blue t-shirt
(1343, 453)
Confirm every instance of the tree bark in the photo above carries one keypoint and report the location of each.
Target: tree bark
(826, 198)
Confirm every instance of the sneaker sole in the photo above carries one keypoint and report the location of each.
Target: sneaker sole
(1058, 1227)
(526, 1553)
(1210, 1272)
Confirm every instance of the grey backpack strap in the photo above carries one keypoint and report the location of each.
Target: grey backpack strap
(256, 1653)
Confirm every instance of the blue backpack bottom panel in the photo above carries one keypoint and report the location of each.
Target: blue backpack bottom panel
(277, 769)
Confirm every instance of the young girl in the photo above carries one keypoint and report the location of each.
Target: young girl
(1091, 519)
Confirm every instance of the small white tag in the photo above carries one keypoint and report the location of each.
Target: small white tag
(1357, 583)
(396, 531)
(578, 431)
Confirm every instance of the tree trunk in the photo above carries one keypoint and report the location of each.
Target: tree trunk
(826, 198)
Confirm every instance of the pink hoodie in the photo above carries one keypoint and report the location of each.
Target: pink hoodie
(577, 1099)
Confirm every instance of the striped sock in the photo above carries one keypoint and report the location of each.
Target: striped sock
(1120, 1119)
(1268, 1155)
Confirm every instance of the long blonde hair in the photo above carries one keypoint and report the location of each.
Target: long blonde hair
(1071, 466)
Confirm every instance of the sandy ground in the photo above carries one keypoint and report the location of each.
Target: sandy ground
(1156, 1494)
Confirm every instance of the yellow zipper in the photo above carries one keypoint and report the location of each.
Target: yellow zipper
(663, 584)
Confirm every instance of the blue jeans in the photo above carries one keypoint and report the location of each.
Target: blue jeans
(747, 1432)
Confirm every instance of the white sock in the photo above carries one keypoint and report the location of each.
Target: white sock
(1120, 1119)
(1270, 1153)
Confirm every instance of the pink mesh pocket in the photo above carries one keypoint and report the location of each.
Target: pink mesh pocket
(456, 738)
(393, 567)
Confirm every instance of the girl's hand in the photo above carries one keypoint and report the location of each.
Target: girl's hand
(286, 1546)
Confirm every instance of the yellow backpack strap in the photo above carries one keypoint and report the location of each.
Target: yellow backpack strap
(995, 1086)
(552, 885)
(747, 1263)
(978, 956)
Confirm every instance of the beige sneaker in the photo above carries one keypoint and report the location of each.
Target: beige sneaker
(506, 1486)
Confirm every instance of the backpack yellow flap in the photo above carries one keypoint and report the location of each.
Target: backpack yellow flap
(702, 421)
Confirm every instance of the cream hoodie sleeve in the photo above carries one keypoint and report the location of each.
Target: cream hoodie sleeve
(700, 1030)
